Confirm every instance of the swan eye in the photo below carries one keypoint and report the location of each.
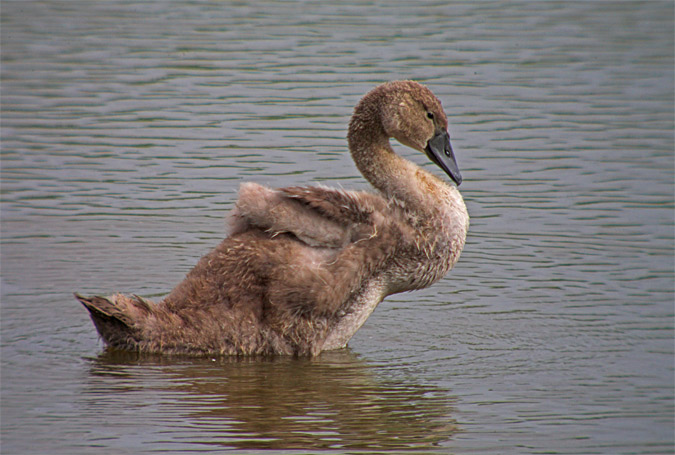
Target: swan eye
(430, 115)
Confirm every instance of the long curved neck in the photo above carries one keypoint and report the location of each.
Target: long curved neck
(396, 177)
(388, 172)
(374, 156)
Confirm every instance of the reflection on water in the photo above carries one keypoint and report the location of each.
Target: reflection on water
(335, 401)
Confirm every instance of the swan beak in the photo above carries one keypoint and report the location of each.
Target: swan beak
(440, 152)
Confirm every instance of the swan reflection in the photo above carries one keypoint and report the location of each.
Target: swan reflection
(334, 401)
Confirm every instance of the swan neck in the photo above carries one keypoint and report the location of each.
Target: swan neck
(374, 158)
(373, 155)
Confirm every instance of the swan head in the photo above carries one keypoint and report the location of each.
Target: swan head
(411, 114)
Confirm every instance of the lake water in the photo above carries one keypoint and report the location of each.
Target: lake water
(128, 126)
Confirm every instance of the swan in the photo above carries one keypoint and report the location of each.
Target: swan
(304, 267)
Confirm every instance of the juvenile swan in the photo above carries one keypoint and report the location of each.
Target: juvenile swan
(303, 267)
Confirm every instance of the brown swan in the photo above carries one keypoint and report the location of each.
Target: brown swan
(303, 267)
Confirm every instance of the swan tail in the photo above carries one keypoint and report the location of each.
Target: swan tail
(117, 318)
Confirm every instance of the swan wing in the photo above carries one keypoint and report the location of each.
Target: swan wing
(343, 207)
(317, 216)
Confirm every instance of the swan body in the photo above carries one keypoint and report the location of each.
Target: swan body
(304, 267)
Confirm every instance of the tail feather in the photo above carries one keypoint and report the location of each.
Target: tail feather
(116, 318)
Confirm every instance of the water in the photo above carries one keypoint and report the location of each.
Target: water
(128, 126)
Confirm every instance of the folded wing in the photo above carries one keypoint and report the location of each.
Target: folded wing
(317, 216)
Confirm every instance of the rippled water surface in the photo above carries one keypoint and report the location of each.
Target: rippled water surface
(128, 126)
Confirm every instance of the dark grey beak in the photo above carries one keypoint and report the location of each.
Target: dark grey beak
(440, 152)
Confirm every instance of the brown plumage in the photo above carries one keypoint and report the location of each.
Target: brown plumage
(303, 267)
